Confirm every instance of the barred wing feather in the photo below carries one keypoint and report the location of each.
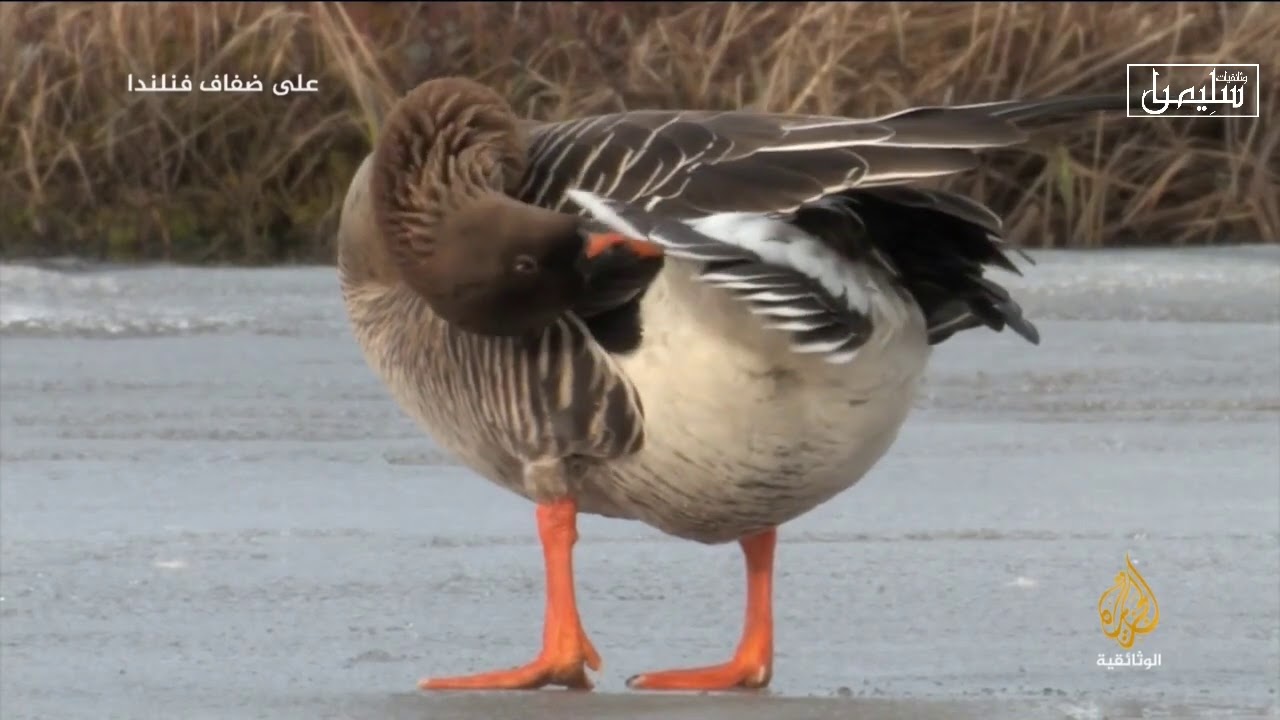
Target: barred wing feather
(689, 163)
(823, 206)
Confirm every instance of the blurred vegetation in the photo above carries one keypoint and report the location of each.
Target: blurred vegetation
(88, 168)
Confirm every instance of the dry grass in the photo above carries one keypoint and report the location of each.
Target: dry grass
(88, 168)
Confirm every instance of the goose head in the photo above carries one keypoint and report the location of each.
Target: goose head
(444, 169)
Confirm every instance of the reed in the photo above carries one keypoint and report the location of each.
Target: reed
(89, 169)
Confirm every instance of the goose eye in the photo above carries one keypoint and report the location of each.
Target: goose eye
(526, 264)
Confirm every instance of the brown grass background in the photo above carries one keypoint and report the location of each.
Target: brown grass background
(89, 169)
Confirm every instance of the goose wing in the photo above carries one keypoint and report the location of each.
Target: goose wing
(696, 163)
(804, 217)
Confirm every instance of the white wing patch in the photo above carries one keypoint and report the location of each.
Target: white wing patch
(780, 243)
(600, 210)
(788, 278)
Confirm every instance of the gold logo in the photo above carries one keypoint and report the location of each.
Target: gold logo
(1128, 608)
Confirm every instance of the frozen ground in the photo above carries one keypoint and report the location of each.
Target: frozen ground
(209, 508)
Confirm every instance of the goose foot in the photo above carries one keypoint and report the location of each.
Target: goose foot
(752, 665)
(739, 672)
(565, 666)
(566, 651)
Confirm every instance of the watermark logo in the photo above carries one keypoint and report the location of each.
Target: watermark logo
(1127, 610)
(1194, 90)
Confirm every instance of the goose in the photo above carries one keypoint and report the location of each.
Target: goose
(709, 322)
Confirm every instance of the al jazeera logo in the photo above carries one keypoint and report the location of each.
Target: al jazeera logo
(1128, 610)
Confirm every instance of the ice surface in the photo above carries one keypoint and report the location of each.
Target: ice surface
(209, 508)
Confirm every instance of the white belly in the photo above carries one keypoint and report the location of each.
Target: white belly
(743, 434)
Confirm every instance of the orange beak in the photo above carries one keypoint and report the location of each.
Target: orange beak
(599, 243)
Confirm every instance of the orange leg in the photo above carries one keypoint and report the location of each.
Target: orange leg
(752, 664)
(565, 647)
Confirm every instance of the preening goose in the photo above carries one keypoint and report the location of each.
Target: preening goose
(710, 322)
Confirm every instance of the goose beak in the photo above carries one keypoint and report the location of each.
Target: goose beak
(616, 269)
(602, 244)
